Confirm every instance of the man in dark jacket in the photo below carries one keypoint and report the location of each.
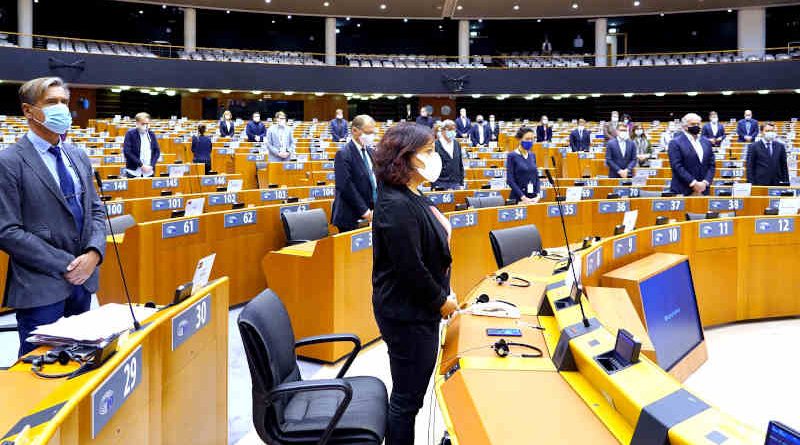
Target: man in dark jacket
(356, 189)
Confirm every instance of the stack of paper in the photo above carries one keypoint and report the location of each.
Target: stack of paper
(90, 327)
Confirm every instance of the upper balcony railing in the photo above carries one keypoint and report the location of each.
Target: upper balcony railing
(516, 60)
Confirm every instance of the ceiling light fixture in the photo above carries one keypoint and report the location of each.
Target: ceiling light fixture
(267, 1)
(170, 93)
(516, 8)
(326, 4)
(288, 93)
(763, 91)
(391, 97)
(727, 93)
(660, 94)
(383, 6)
(459, 7)
(628, 94)
(405, 20)
(538, 20)
(225, 91)
(692, 93)
(319, 94)
(255, 91)
(637, 3)
(476, 96)
(574, 6)
(582, 97)
(596, 95)
(192, 90)
(407, 95)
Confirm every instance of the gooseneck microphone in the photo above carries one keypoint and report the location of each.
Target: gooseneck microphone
(136, 325)
(570, 263)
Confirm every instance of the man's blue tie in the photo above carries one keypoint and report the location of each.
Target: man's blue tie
(68, 188)
(769, 145)
(371, 176)
(747, 127)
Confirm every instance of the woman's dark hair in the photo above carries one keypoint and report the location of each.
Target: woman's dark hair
(523, 131)
(393, 154)
(639, 127)
(201, 129)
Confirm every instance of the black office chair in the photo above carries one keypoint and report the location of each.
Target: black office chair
(513, 244)
(120, 224)
(288, 410)
(305, 226)
(488, 201)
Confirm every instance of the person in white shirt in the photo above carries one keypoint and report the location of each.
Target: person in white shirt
(280, 141)
(140, 148)
(481, 133)
(713, 130)
(448, 148)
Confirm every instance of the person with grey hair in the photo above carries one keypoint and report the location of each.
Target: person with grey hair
(356, 188)
(52, 223)
(140, 148)
(691, 159)
(452, 176)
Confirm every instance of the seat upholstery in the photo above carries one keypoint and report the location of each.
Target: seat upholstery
(120, 224)
(513, 244)
(310, 225)
(488, 201)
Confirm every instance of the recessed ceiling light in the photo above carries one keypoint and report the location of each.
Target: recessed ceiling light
(116, 90)
(566, 95)
(796, 91)
(255, 91)
(627, 94)
(596, 95)
(227, 11)
(383, 6)
(582, 97)
(338, 30)
(326, 4)
(501, 97)
(141, 12)
(480, 20)
(225, 91)
(662, 14)
(730, 10)
(557, 98)
(358, 25)
(459, 7)
(194, 90)
(407, 95)
(159, 88)
(391, 97)
(170, 93)
(660, 94)
(574, 6)
(405, 20)
(692, 93)
(288, 93)
(476, 96)
(289, 17)
(727, 93)
(538, 20)
(763, 91)
(529, 97)
(347, 18)
(377, 95)
(637, 3)
(319, 94)
(516, 7)
(267, 1)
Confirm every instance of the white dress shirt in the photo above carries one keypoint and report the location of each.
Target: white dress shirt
(145, 153)
(696, 145)
(714, 128)
(481, 140)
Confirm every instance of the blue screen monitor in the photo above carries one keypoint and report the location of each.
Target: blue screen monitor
(780, 434)
(670, 309)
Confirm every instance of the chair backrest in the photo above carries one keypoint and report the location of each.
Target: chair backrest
(120, 224)
(482, 202)
(268, 340)
(695, 216)
(513, 244)
(310, 225)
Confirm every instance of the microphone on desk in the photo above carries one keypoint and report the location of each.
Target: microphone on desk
(136, 324)
(570, 263)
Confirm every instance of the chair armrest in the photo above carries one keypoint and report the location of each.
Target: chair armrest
(317, 385)
(327, 338)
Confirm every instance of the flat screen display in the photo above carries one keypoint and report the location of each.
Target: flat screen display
(779, 434)
(624, 347)
(670, 309)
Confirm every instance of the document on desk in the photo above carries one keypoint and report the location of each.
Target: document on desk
(91, 327)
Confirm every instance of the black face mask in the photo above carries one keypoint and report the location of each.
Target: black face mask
(694, 129)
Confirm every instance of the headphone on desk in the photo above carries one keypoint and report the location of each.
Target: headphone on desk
(503, 278)
(484, 298)
(502, 349)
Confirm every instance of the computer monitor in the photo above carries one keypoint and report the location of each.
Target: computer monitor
(670, 309)
(780, 434)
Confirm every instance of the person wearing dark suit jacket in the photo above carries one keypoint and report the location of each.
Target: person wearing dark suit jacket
(356, 188)
(410, 270)
(201, 148)
(544, 132)
(494, 129)
(621, 154)
(580, 139)
(52, 223)
(338, 127)
(691, 159)
(481, 133)
(463, 124)
(747, 128)
(766, 159)
(140, 148)
(452, 176)
(226, 126)
(424, 118)
(255, 129)
(522, 174)
(713, 130)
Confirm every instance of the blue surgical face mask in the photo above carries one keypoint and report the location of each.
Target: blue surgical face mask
(527, 145)
(57, 118)
(450, 134)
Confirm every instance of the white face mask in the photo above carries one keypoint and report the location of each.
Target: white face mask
(366, 140)
(770, 135)
(256, 118)
(714, 120)
(622, 135)
(614, 118)
(580, 127)
(639, 132)
(281, 122)
(339, 116)
(544, 121)
(142, 128)
(432, 166)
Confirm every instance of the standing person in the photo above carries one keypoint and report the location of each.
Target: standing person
(621, 154)
(463, 124)
(544, 132)
(448, 148)
(522, 175)
(713, 130)
(52, 223)
(691, 159)
(580, 139)
(356, 188)
(667, 136)
(747, 128)
(481, 133)
(643, 147)
(255, 129)
(226, 125)
(280, 140)
(140, 148)
(424, 118)
(494, 129)
(610, 128)
(338, 127)
(766, 159)
(410, 272)
(201, 148)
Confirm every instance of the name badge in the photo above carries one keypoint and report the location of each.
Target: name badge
(530, 188)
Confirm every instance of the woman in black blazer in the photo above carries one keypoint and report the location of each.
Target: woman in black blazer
(201, 148)
(410, 271)
(226, 127)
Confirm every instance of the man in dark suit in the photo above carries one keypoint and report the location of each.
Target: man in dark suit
(621, 154)
(580, 139)
(339, 127)
(52, 224)
(140, 148)
(691, 159)
(544, 132)
(494, 129)
(356, 189)
(255, 129)
(424, 119)
(766, 159)
(747, 128)
(463, 124)
(480, 134)
(713, 130)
